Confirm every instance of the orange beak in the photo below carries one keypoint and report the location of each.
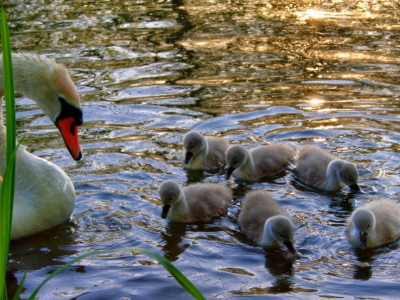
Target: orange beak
(69, 131)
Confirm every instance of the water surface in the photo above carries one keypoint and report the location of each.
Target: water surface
(254, 72)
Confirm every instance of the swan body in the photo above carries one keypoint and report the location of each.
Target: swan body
(374, 224)
(200, 201)
(44, 195)
(258, 162)
(265, 222)
(322, 170)
(203, 153)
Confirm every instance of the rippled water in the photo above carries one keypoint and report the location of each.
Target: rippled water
(291, 72)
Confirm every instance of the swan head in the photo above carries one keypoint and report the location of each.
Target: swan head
(194, 142)
(364, 222)
(50, 86)
(170, 194)
(236, 156)
(280, 229)
(348, 174)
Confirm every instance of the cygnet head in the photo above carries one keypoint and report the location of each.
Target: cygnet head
(170, 194)
(348, 174)
(193, 142)
(236, 156)
(364, 222)
(281, 229)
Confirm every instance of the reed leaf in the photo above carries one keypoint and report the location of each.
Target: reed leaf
(7, 186)
(8, 85)
(19, 290)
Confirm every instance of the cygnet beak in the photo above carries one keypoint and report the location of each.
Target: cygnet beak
(229, 173)
(289, 245)
(188, 156)
(355, 187)
(363, 240)
(165, 211)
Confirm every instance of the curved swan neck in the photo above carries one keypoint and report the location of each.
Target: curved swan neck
(42, 80)
(181, 206)
(248, 165)
(332, 175)
(50, 86)
(266, 239)
(203, 152)
(29, 73)
(269, 237)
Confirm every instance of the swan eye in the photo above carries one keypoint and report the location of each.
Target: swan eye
(67, 110)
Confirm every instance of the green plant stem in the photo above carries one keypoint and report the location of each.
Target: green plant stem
(8, 85)
(7, 187)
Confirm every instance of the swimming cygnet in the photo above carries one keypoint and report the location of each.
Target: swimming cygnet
(374, 224)
(322, 170)
(258, 162)
(264, 221)
(203, 153)
(200, 201)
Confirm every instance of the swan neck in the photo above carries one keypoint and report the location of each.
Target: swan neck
(181, 205)
(267, 238)
(36, 78)
(332, 175)
(248, 165)
(24, 78)
(204, 151)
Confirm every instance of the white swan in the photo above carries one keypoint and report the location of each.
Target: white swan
(322, 170)
(258, 162)
(203, 153)
(44, 194)
(374, 224)
(195, 202)
(265, 222)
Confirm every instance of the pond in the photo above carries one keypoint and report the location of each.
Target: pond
(253, 71)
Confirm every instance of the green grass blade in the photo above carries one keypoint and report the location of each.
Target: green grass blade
(7, 190)
(8, 84)
(180, 278)
(19, 290)
(4, 293)
(6, 214)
